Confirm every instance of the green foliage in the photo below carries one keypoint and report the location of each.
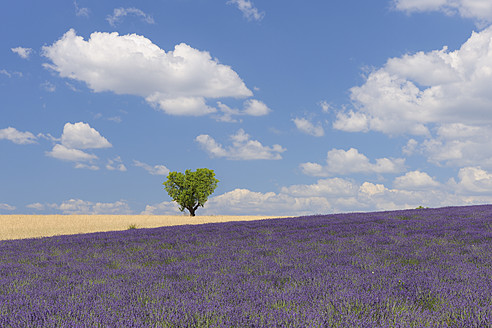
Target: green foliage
(132, 226)
(191, 189)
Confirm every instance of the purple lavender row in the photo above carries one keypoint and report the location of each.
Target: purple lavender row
(413, 268)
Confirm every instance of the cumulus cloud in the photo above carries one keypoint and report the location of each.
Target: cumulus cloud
(458, 144)
(77, 136)
(410, 147)
(5, 72)
(342, 195)
(163, 208)
(36, 206)
(473, 180)
(154, 170)
(69, 154)
(178, 82)
(78, 206)
(17, 137)
(325, 106)
(81, 136)
(415, 180)
(248, 9)
(479, 10)
(6, 207)
(441, 96)
(255, 107)
(416, 91)
(119, 13)
(48, 86)
(246, 202)
(116, 164)
(86, 166)
(252, 107)
(81, 11)
(243, 148)
(335, 187)
(339, 161)
(307, 127)
(10, 74)
(22, 52)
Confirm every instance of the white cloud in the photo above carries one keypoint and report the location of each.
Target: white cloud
(192, 106)
(178, 81)
(325, 106)
(227, 113)
(154, 170)
(371, 189)
(17, 137)
(78, 206)
(81, 136)
(255, 107)
(340, 195)
(243, 148)
(48, 86)
(442, 96)
(211, 146)
(246, 202)
(410, 147)
(116, 165)
(480, 10)
(252, 107)
(335, 187)
(460, 145)
(5, 72)
(69, 154)
(164, 208)
(6, 207)
(351, 122)
(412, 93)
(307, 127)
(10, 74)
(81, 11)
(473, 180)
(36, 206)
(248, 9)
(22, 52)
(339, 161)
(119, 13)
(86, 166)
(415, 180)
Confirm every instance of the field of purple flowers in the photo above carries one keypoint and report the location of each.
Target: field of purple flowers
(412, 268)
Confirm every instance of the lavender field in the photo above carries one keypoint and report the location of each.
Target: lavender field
(412, 268)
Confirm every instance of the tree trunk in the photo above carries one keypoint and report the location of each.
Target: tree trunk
(193, 209)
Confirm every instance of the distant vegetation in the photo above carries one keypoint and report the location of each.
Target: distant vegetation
(407, 268)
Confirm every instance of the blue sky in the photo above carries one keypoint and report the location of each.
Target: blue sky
(329, 106)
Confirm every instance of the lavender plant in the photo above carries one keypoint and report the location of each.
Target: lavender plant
(413, 268)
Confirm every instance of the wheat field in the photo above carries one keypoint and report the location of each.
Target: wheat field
(34, 226)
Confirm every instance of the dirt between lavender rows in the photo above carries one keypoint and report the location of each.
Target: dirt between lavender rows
(33, 226)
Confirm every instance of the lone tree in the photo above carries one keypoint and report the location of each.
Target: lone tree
(191, 189)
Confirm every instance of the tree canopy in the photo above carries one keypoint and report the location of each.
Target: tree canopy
(191, 189)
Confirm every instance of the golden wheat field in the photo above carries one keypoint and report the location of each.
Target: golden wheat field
(33, 226)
